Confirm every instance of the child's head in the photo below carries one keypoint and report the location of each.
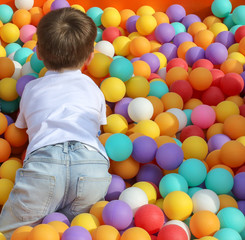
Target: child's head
(65, 38)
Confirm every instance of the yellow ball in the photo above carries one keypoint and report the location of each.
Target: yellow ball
(2, 51)
(42, 72)
(121, 45)
(159, 203)
(105, 232)
(10, 33)
(6, 186)
(195, 147)
(86, 220)
(146, 24)
(113, 89)
(78, 7)
(137, 86)
(149, 190)
(110, 17)
(97, 210)
(8, 169)
(148, 128)
(116, 123)
(208, 238)
(8, 89)
(2, 237)
(237, 56)
(145, 10)
(162, 59)
(218, 27)
(225, 109)
(233, 48)
(241, 140)
(177, 205)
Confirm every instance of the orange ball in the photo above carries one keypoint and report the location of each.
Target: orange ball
(21, 233)
(126, 169)
(184, 47)
(210, 20)
(139, 46)
(7, 67)
(103, 137)
(175, 74)
(172, 100)
(200, 78)
(97, 210)
(168, 123)
(234, 126)
(192, 103)
(3, 123)
(21, 17)
(161, 17)
(196, 27)
(241, 46)
(157, 105)
(236, 99)
(227, 201)
(224, 167)
(204, 223)
(231, 65)
(47, 6)
(106, 232)
(125, 15)
(15, 136)
(216, 128)
(135, 233)
(30, 44)
(5, 150)
(232, 154)
(43, 231)
(163, 139)
(36, 15)
(141, 68)
(135, 135)
(60, 227)
(213, 158)
(204, 38)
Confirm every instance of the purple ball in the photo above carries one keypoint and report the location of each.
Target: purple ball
(194, 54)
(116, 186)
(217, 141)
(76, 233)
(121, 108)
(56, 216)
(241, 206)
(239, 187)
(144, 149)
(243, 77)
(164, 32)
(175, 13)
(150, 173)
(216, 53)
(57, 4)
(182, 37)
(189, 19)
(135, 59)
(152, 60)
(9, 119)
(132, 224)
(169, 156)
(21, 83)
(169, 50)
(227, 38)
(131, 23)
(118, 214)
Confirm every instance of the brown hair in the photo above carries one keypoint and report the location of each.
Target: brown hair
(65, 38)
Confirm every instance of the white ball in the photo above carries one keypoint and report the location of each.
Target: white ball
(24, 4)
(181, 224)
(205, 199)
(26, 69)
(17, 71)
(140, 109)
(181, 116)
(105, 47)
(162, 72)
(134, 197)
(11, 56)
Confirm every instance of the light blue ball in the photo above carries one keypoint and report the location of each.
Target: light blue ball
(194, 171)
(121, 68)
(34, 75)
(178, 27)
(188, 115)
(178, 142)
(219, 180)
(228, 21)
(99, 35)
(234, 28)
(242, 233)
(158, 89)
(36, 64)
(22, 54)
(95, 13)
(12, 47)
(238, 15)
(231, 217)
(6, 13)
(193, 190)
(118, 147)
(172, 182)
(227, 234)
(221, 8)
(9, 106)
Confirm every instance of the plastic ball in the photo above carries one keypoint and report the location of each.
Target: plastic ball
(76, 232)
(36, 15)
(152, 60)
(217, 53)
(234, 126)
(4, 123)
(161, 17)
(9, 33)
(139, 46)
(6, 186)
(24, 4)
(164, 32)
(22, 54)
(105, 47)
(169, 50)
(217, 28)
(177, 62)
(8, 89)
(21, 17)
(8, 169)
(204, 63)
(239, 57)
(56, 216)
(121, 45)
(221, 9)
(121, 107)
(125, 15)
(95, 13)
(182, 88)
(26, 32)
(7, 67)
(21, 83)
(204, 38)
(60, 227)
(178, 27)
(110, 34)
(227, 201)
(135, 233)
(227, 233)
(237, 15)
(196, 27)
(226, 38)
(146, 24)
(175, 74)
(158, 89)
(21, 233)
(145, 10)
(6, 13)
(191, 130)
(57, 4)
(172, 232)
(182, 37)
(137, 86)
(131, 23)
(241, 45)
(212, 96)
(238, 189)
(194, 54)
(217, 141)
(110, 17)
(183, 48)
(175, 13)
(181, 116)
(97, 210)
(105, 232)
(172, 100)
(189, 19)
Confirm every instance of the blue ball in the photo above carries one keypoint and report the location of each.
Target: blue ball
(9, 106)
(99, 35)
(172, 182)
(188, 115)
(193, 190)
(12, 47)
(36, 64)
(95, 13)
(178, 27)
(194, 171)
(221, 8)
(22, 54)
(228, 21)
(179, 143)
(227, 234)
(6, 13)
(121, 68)
(158, 89)
(234, 28)
(119, 147)
(219, 180)
(238, 15)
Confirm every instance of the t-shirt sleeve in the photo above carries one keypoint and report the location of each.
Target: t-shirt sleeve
(103, 120)
(20, 121)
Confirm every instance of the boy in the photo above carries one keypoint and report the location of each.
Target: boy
(66, 167)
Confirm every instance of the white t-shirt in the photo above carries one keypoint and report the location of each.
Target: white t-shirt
(62, 107)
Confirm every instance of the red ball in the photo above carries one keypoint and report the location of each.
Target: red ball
(242, 110)
(217, 75)
(205, 63)
(212, 96)
(172, 232)
(183, 88)
(153, 76)
(177, 62)
(110, 33)
(240, 169)
(240, 33)
(191, 130)
(153, 237)
(197, 94)
(231, 84)
(149, 217)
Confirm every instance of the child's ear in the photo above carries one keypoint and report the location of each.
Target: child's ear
(89, 59)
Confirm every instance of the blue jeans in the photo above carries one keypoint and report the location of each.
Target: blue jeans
(67, 177)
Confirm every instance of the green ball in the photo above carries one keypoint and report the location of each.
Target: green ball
(12, 47)
(221, 8)
(178, 27)
(36, 64)
(6, 13)
(188, 115)
(234, 28)
(228, 21)
(227, 234)
(95, 13)
(193, 190)
(158, 89)
(9, 106)
(99, 35)
(22, 54)
(238, 15)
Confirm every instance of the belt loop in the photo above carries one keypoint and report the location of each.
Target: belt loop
(65, 149)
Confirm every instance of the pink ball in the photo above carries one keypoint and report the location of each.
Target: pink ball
(27, 32)
(217, 75)
(203, 63)
(110, 34)
(172, 232)
(203, 116)
(177, 62)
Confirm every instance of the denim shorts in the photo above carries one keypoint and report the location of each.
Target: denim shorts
(66, 177)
